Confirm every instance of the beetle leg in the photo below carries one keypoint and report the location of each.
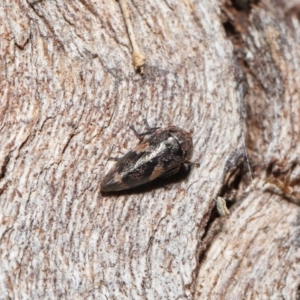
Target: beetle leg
(140, 136)
(112, 157)
(148, 126)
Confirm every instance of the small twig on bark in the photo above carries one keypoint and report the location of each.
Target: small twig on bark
(138, 57)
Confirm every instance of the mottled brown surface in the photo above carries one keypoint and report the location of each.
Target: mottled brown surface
(69, 92)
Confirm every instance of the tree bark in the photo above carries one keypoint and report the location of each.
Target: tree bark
(228, 72)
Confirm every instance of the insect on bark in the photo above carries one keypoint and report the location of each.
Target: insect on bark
(161, 154)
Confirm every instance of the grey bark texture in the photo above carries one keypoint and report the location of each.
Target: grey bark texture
(227, 71)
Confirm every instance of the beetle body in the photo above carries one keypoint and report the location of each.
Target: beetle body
(159, 155)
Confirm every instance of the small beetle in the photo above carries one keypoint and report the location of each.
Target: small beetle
(159, 155)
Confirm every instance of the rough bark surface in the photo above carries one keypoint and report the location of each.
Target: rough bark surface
(226, 71)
